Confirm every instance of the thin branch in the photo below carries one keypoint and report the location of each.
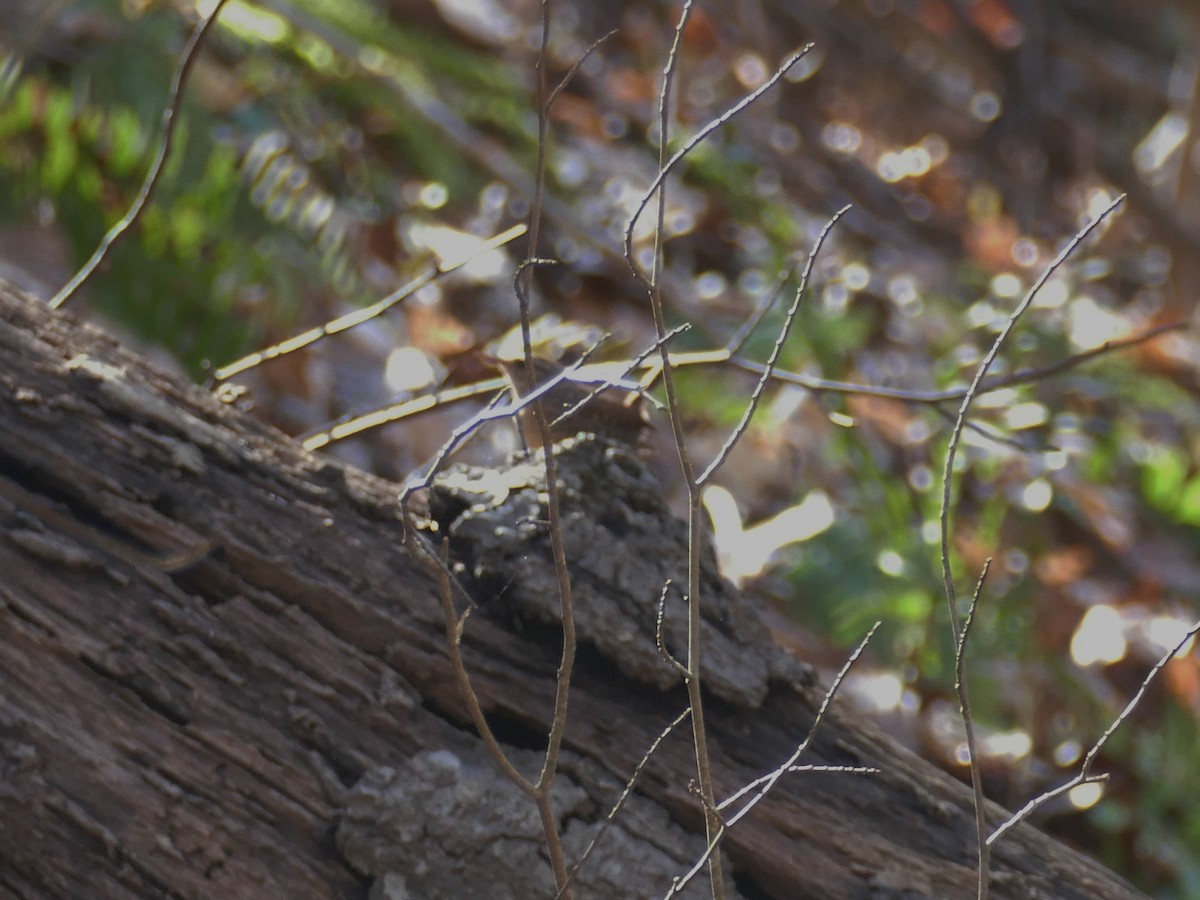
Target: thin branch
(659, 640)
(947, 483)
(712, 825)
(396, 412)
(509, 410)
(639, 389)
(703, 133)
(1021, 376)
(964, 708)
(342, 323)
(780, 339)
(570, 73)
(438, 565)
(765, 784)
(169, 119)
(738, 339)
(1084, 776)
(612, 813)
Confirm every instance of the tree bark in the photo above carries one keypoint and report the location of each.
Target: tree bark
(222, 675)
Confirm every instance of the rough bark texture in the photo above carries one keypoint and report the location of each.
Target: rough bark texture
(279, 719)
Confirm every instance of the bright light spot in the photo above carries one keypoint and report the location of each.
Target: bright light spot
(1085, 796)
(835, 298)
(750, 70)
(1006, 285)
(408, 369)
(1013, 745)
(841, 419)
(744, 552)
(455, 248)
(1099, 200)
(1166, 632)
(931, 532)
(711, 285)
(891, 167)
(1053, 294)
(1025, 415)
(1095, 268)
(789, 400)
(1037, 495)
(1054, 460)
(434, 195)
(962, 754)
(1091, 325)
(1016, 561)
(856, 276)
(484, 20)
(1067, 752)
(1160, 143)
(679, 221)
(881, 691)
(981, 314)
(890, 563)
(917, 161)
(247, 21)
(985, 106)
(315, 52)
(1099, 638)
(841, 137)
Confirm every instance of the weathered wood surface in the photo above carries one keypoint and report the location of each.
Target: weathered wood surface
(279, 719)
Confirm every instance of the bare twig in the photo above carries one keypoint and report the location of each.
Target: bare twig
(1085, 775)
(169, 118)
(947, 472)
(712, 824)
(763, 786)
(397, 411)
(1021, 376)
(659, 641)
(342, 323)
(781, 338)
(664, 169)
(612, 813)
(964, 708)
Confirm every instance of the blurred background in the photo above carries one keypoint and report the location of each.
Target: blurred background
(332, 150)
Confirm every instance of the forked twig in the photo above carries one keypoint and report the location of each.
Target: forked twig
(947, 482)
(763, 786)
(780, 339)
(665, 169)
(169, 118)
(1084, 776)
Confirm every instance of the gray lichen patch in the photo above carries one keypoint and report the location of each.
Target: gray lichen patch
(622, 544)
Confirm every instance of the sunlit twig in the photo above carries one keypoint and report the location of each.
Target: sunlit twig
(358, 316)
